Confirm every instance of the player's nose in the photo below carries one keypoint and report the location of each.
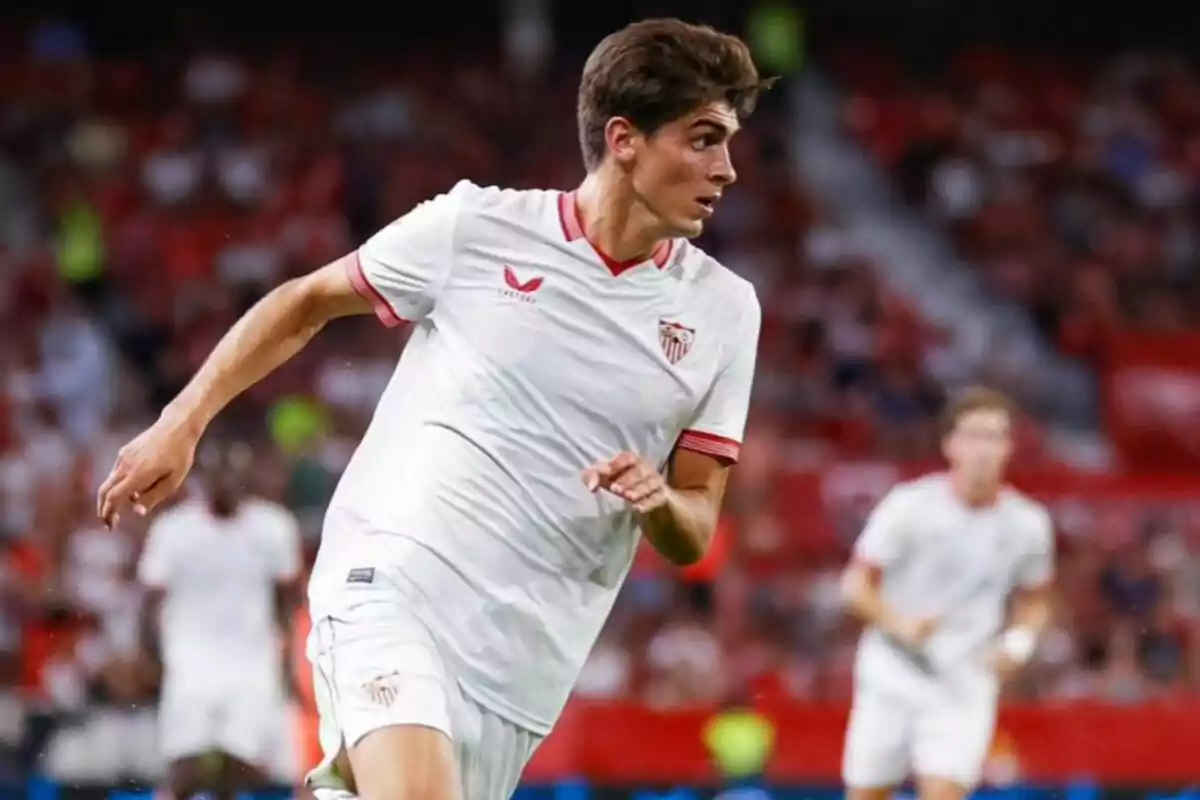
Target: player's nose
(722, 172)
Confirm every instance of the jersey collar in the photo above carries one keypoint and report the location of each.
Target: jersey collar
(572, 226)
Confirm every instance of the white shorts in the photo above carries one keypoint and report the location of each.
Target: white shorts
(378, 666)
(891, 737)
(198, 717)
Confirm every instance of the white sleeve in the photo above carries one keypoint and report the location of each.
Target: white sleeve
(1036, 567)
(883, 541)
(157, 563)
(401, 269)
(720, 422)
(286, 564)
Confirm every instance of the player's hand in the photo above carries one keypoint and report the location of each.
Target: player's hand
(914, 632)
(1006, 667)
(1013, 651)
(631, 478)
(148, 470)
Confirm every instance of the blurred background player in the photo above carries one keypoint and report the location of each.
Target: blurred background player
(932, 577)
(220, 570)
(579, 376)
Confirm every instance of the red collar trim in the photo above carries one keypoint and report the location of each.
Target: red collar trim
(572, 227)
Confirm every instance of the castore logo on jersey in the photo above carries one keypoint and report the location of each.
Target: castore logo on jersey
(518, 289)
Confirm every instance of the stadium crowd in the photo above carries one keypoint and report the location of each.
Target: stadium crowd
(1069, 182)
(144, 205)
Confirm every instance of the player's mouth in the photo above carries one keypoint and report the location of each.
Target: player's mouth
(708, 203)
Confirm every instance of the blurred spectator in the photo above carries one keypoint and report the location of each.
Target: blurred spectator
(1068, 183)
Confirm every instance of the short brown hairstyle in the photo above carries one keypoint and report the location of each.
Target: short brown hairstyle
(975, 398)
(657, 71)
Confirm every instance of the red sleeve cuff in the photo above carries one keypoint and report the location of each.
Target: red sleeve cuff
(710, 444)
(358, 279)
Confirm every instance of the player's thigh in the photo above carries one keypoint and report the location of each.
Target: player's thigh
(385, 702)
(876, 753)
(491, 752)
(952, 742)
(405, 762)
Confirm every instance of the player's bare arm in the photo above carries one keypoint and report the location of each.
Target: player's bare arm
(861, 594)
(154, 465)
(678, 512)
(884, 544)
(1029, 615)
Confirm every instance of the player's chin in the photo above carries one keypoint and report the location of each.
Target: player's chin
(690, 227)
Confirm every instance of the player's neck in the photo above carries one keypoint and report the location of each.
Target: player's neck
(975, 495)
(614, 218)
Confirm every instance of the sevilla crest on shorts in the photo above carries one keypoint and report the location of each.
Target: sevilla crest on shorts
(676, 339)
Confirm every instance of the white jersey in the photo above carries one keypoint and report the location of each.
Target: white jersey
(219, 576)
(943, 559)
(532, 356)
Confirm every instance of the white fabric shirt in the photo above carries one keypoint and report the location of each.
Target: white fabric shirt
(219, 577)
(533, 355)
(957, 564)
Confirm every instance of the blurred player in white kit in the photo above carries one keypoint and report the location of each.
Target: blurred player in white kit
(952, 577)
(578, 376)
(220, 571)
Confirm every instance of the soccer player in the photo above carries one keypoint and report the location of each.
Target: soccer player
(220, 570)
(577, 376)
(933, 575)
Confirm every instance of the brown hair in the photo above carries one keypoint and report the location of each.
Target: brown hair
(657, 71)
(975, 398)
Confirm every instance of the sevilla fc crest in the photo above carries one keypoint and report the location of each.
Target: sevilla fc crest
(676, 340)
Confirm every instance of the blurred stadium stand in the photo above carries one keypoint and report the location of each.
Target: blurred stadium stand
(916, 214)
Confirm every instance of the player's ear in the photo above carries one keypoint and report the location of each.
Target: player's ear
(622, 138)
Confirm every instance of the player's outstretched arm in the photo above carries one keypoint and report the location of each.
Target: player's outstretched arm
(269, 334)
(883, 545)
(1032, 599)
(1031, 608)
(862, 596)
(397, 274)
(152, 466)
(1029, 616)
(682, 528)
